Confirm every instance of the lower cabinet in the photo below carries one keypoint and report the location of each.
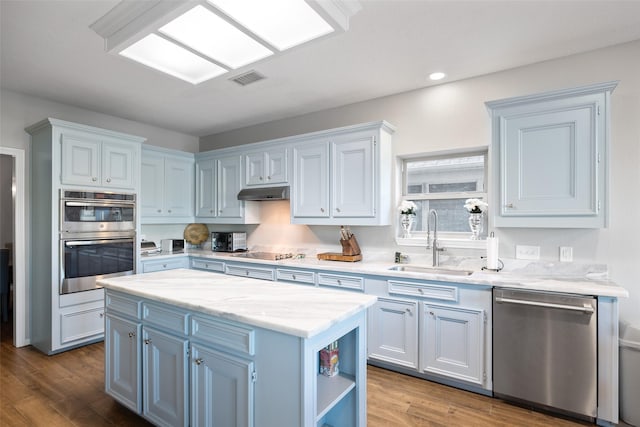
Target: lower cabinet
(165, 394)
(222, 389)
(393, 332)
(452, 342)
(151, 265)
(122, 359)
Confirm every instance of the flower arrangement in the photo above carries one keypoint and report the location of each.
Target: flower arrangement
(407, 207)
(475, 205)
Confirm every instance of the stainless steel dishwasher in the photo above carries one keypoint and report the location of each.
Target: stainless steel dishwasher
(545, 350)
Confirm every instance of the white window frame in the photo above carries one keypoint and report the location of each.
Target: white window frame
(446, 239)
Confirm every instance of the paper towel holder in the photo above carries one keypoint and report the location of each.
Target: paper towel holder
(500, 263)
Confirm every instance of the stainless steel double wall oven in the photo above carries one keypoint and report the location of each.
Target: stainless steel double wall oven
(97, 238)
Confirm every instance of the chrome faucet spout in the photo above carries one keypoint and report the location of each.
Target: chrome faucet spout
(433, 243)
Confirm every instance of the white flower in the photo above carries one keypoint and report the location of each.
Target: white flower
(407, 207)
(475, 205)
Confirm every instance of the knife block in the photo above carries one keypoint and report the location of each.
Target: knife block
(350, 246)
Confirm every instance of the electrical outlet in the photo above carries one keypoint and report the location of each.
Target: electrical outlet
(566, 254)
(527, 252)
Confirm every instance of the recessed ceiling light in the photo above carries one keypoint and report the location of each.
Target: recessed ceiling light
(207, 33)
(437, 76)
(156, 52)
(282, 23)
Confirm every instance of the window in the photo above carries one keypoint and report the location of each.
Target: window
(444, 183)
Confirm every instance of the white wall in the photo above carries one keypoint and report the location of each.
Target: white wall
(453, 115)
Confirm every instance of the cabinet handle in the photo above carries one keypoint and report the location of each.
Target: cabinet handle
(94, 179)
(132, 334)
(247, 272)
(509, 205)
(431, 314)
(199, 361)
(293, 276)
(421, 290)
(147, 341)
(108, 179)
(321, 209)
(409, 310)
(337, 209)
(339, 282)
(101, 315)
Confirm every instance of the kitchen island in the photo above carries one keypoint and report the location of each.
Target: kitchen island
(185, 347)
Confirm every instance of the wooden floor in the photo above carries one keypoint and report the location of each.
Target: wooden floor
(68, 390)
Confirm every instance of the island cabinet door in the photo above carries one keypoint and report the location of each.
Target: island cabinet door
(222, 389)
(165, 376)
(122, 362)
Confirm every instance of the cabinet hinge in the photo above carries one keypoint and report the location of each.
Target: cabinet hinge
(484, 376)
(599, 158)
(254, 376)
(598, 206)
(598, 110)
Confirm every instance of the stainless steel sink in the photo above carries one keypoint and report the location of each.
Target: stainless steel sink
(431, 270)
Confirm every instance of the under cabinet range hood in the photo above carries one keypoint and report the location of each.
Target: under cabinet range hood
(264, 193)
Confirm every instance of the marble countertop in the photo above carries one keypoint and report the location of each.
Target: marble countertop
(294, 310)
(540, 276)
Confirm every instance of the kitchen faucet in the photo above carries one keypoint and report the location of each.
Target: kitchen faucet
(433, 244)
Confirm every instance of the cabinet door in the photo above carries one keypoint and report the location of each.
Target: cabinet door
(229, 185)
(178, 187)
(311, 180)
(353, 192)
(276, 166)
(80, 160)
(255, 171)
(393, 332)
(453, 342)
(222, 389)
(206, 188)
(165, 376)
(118, 165)
(152, 186)
(122, 362)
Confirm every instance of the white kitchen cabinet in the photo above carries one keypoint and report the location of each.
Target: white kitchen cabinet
(244, 270)
(98, 160)
(452, 342)
(343, 176)
(551, 152)
(81, 323)
(393, 332)
(123, 376)
(222, 389)
(218, 182)
(167, 186)
(268, 167)
(149, 265)
(165, 397)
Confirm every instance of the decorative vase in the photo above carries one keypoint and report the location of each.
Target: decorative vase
(406, 221)
(475, 224)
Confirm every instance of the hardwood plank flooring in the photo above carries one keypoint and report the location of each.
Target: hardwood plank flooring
(67, 389)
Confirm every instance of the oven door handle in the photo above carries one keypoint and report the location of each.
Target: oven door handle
(95, 242)
(585, 308)
(118, 204)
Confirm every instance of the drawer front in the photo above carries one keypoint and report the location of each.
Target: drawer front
(423, 290)
(81, 324)
(345, 282)
(166, 317)
(307, 277)
(123, 304)
(209, 265)
(224, 334)
(253, 272)
(165, 264)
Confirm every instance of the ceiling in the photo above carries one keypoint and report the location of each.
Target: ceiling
(48, 50)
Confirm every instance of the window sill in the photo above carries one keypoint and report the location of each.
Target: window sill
(444, 242)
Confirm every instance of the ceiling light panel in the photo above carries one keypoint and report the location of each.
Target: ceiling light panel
(282, 23)
(156, 52)
(207, 33)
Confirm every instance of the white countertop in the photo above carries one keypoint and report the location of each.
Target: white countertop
(539, 280)
(295, 310)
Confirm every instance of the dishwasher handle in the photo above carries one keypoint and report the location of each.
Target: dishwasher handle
(586, 308)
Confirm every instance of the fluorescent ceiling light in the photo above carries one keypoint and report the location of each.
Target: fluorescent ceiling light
(282, 23)
(207, 33)
(161, 54)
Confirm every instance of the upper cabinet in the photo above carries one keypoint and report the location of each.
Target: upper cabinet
(343, 176)
(266, 167)
(550, 157)
(218, 182)
(167, 186)
(93, 157)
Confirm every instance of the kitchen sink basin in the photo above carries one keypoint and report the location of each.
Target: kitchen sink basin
(430, 270)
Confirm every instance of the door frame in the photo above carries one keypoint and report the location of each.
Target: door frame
(20, 312)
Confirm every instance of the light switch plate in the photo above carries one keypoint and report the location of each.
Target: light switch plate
(566, 254)
(527, 252)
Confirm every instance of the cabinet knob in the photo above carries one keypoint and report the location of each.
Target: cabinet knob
(159, 210)
(339, 282)
(164, 265)
(94, 179)
(199, 361)
(211, 211)
(132, 334)
(108, 179)
(509, 205)
(246, 272)
(409, 310)
(321, 209)
(220, 211)
(337, 209)
(421, 290)
(147, 341)
(101, 315)
(169, 211)
(431, 313)
(269, 178)
(260, 178)
(293, 276)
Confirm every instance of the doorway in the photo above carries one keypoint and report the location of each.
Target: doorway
(14, 238)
